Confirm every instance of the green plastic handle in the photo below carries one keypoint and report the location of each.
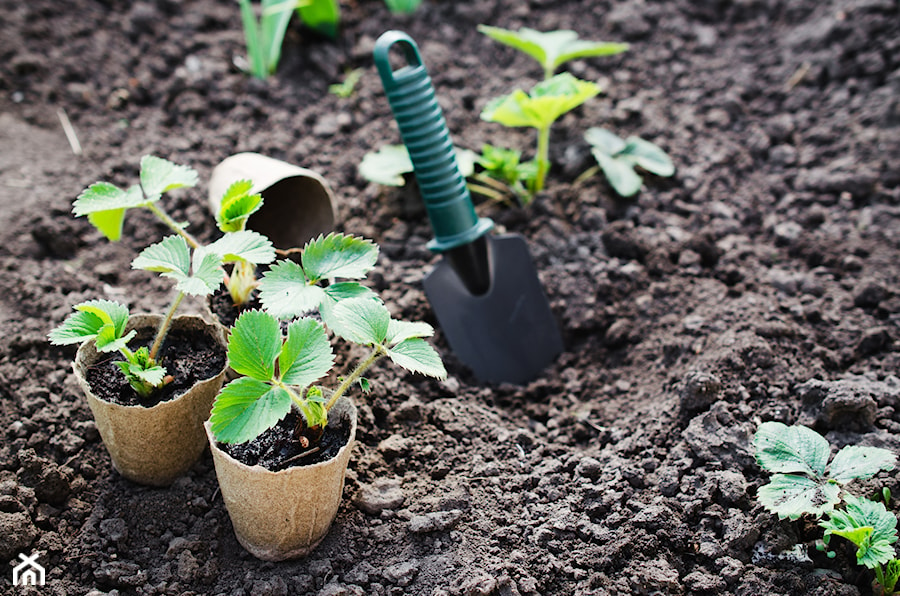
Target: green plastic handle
(424, 132)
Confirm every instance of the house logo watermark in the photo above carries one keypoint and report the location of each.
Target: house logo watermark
(29, 572)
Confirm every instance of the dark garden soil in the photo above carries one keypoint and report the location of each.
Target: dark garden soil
(761, 282)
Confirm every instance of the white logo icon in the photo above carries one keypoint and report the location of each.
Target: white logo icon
(28, 572)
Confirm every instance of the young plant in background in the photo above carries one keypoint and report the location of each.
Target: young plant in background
(390, 164)
(539, 109)
(617, 158)
(241, 248)
(553, 48)
(402, 6)
(265, 35)
(323, 16)
(279, 371)
(804, 483)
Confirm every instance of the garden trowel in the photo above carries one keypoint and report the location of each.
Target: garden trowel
(485, 292)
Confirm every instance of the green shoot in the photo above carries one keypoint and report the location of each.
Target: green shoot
(868, 525)
(504, 166)
(539, 109)
(242, 248)
(553, 48)
(279, 372)
(798, 457)
(323, 16)
(346, 88)
(618, 158)
(104, 321)
(265, 36)
(888, 576)
(106, 204)
(402, 6)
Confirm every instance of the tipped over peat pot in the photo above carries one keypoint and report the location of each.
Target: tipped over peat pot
(284, 515)
(155, 445)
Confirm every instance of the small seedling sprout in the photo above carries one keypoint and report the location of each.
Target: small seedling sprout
(804, 483)
(618, 157)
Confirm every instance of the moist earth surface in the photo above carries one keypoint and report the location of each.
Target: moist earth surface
(761, 282)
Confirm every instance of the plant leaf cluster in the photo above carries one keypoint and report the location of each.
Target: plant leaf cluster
(105, 321)
(805, 483)
(279, 371)
(618, 158)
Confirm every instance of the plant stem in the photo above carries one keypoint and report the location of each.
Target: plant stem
(362, 367)
(164, 326)
(171, 223)
(543, 158)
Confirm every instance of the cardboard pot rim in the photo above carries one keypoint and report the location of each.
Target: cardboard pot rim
(136, 320)
(345, 402)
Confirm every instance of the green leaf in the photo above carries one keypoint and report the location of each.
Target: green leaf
(338, 255)
(313, 408)
(786, 449)
(604, 140)
(171, 258)
(323, 16)
(88, 320)
(256, 53)
(151, 376)
(344, 290)
(402, 6)
(168, 256)
(306, 355)
(254, 345)
(244, 245)
(206, 276)
(159, 175)
(110, 341)
(276, 15)
(546, 102)
(417, 355)
(237, 205)
(247, 407)
(105, 205)
(869, 526)
(386, 166)
(402, 330)
(361, 320)
(854, 461)
(648, 156)
(553, 48)
(620, 174)
(286, 293)
(790, 496)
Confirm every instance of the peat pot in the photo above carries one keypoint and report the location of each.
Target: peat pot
(154, 445)
(284, 515)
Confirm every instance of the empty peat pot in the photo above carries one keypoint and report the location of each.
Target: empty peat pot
(297, 203)
(284, 515)
(154, 445)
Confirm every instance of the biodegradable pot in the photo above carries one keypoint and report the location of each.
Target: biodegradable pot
(154, 445)
(298, 204)
(284, 515)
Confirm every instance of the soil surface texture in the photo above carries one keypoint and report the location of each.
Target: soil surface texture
(761, 282)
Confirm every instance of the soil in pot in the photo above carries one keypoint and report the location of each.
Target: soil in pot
(277, 449)
(223, 309)
(188, 356)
